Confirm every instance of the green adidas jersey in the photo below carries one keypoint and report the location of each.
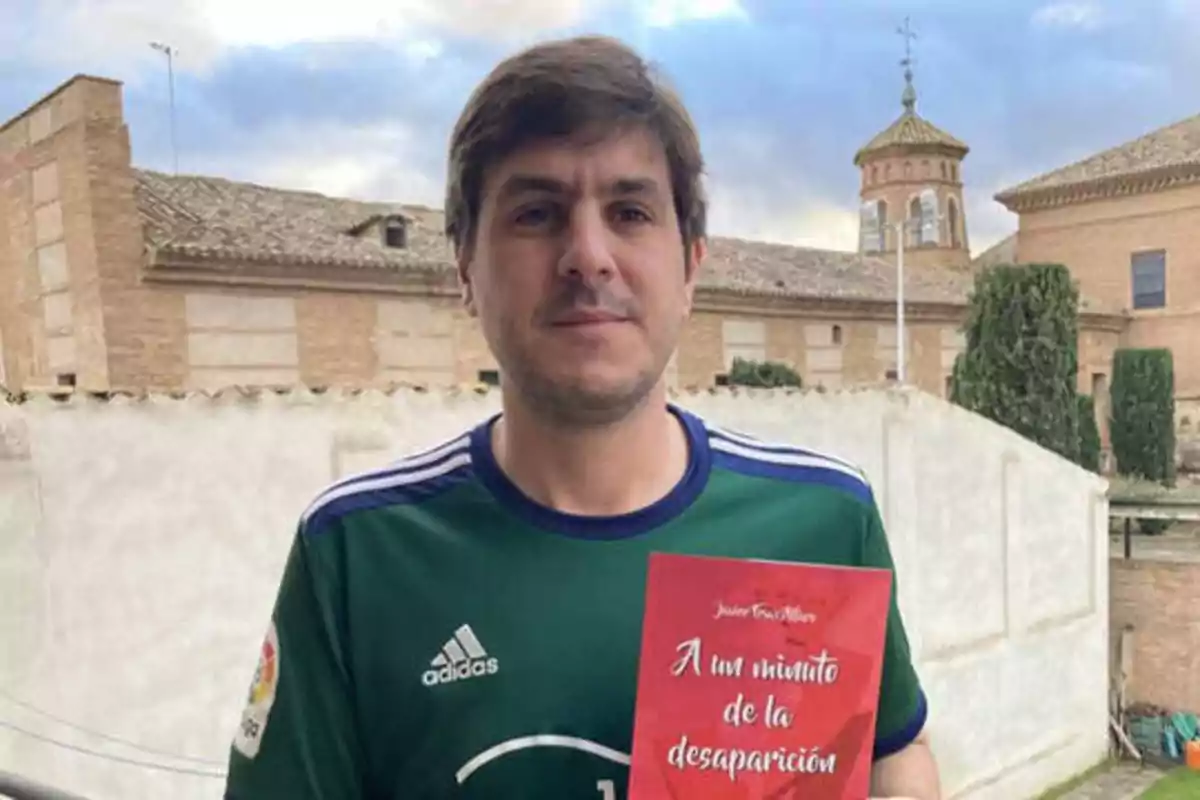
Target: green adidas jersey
(437, 634)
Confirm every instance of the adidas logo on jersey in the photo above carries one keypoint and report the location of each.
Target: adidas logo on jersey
(462, 658)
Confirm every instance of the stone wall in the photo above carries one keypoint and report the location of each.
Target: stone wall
(1160, 600)
(141, 541)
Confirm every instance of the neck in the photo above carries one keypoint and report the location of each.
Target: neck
(596, 471)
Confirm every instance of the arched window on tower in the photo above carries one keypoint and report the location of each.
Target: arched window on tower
(930, 224)
(923, 219)
(952, 222)
(913, 227)
(881, 213)
(869, 230)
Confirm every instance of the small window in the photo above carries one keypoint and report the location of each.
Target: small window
(891, 375)
(1149, 277)
(395, 232)
(722, 380)
(489, 377)
(66, 379)
(836, 335)
(948, 386)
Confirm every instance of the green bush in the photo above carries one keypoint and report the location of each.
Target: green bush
(762, 373)
(1143, 414)
(1143, 419)
(1089, 434)
(1020, 365)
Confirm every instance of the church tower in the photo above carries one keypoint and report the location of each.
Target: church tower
(911, 173)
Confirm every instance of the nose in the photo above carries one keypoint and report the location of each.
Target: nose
(588, 252)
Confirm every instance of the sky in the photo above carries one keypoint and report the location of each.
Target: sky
(357, 97)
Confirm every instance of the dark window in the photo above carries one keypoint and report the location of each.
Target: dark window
(722, 380)
(395, 232)
(66, 379)
(837, 334)
(1149, 273)
(490, 377)
(892, 375)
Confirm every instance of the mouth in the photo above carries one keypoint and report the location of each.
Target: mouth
(576, 319)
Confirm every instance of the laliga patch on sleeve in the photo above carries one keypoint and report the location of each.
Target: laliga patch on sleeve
(262, 696)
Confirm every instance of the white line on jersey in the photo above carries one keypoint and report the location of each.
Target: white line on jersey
(737, 437)
(539, 740)
(788, 459)
(406, 472)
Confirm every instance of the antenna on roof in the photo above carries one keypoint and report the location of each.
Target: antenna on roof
(170, 53)
(909, 98)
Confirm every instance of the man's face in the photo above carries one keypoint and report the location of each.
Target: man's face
(579, 275)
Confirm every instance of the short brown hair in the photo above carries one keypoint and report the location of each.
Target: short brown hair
(559, 89)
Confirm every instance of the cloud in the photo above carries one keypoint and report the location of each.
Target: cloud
(116, 33)
(358, 97)
(1071, 14)
(370, 162)
(667, 13)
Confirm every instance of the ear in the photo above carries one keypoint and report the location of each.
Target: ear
(697, 251)
(466, 290)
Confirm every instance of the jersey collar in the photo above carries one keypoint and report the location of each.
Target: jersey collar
(621, 526)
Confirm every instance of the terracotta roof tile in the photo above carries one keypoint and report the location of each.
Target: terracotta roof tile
(1176, 145)
(1002, 252)
(206, 216)
(222, 219)
(768, 268)
(910, 130)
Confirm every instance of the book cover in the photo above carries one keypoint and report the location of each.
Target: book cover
(757, 680)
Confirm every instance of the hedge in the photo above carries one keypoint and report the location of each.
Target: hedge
(1020, 365)
(1089, 434)
(1143, 414)
(762, 373)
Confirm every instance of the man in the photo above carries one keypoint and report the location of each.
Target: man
(466, 623)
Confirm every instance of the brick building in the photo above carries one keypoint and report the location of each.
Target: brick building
(114, 277)
(1126, 222)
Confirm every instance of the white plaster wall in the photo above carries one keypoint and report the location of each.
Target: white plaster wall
(141, 542)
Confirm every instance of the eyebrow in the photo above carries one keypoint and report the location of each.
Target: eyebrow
(521, 184)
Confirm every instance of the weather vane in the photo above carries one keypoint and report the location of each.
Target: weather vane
(909, 98)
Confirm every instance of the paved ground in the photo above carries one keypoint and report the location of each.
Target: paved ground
(1122, 782)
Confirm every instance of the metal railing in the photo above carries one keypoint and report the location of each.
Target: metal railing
(14, 787)
(1164, 508)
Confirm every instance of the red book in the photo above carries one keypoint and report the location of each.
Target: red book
(757, 680)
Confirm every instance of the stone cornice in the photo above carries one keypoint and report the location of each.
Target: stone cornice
(435, 280)
(1142, 182)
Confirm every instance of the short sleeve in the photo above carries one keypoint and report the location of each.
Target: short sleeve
(903, 708)
(298, 738)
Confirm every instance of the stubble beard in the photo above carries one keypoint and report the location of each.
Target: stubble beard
(567, 404)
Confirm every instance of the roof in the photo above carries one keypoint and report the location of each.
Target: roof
(912, 131)
(219, 219)
(1002, 252)
(753, 267)
(1174, 148)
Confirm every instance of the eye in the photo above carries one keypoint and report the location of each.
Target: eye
(632, 214)
(535, 215)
